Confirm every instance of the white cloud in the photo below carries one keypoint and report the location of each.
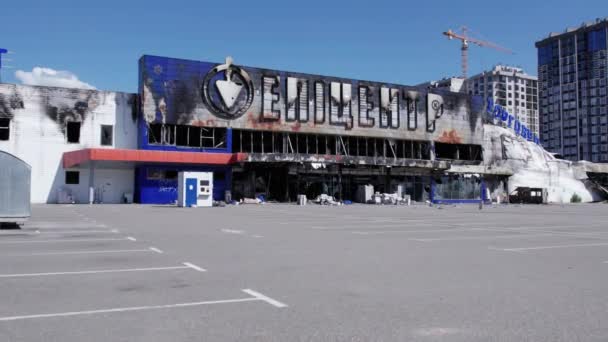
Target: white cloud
(40, 76)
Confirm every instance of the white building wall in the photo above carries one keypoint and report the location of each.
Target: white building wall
(38, 118)
(515, 86)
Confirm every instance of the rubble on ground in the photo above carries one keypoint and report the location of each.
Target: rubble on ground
(324, 199)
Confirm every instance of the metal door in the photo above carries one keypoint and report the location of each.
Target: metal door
(191, 192)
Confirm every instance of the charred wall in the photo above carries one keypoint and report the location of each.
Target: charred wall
(183, 92)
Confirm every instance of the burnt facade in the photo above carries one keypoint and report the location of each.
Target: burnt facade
(306, 134)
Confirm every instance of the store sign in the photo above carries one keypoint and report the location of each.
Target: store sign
(233, 90)
(500, 113)
(193, 93)
(229, 91)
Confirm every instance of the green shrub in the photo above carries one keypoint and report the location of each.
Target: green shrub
(575, 199)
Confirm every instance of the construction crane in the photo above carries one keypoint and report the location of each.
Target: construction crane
(466, 39)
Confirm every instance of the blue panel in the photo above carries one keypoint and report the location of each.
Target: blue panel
(190, 192)
(545, 54)
(160, 190)
(596, 40)
(175, 81)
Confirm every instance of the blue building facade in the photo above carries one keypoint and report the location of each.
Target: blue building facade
(157, 183)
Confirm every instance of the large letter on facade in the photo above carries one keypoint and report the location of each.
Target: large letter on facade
(366, 106)
(389, 108)
(319, 102)
(411, 99)
(297, 99)
(434, 110)
(490, 106)
(340, 105)
(270, 98)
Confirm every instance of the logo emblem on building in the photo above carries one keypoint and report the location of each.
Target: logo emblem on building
(228, 90)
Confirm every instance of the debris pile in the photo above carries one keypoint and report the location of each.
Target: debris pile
(391, 199)
(256, 200)
(324, 199)
(530, 166)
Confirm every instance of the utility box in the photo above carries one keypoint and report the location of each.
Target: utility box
(195, 189)
(15, 182)
(365, 193)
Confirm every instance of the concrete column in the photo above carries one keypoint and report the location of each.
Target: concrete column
(91, 182)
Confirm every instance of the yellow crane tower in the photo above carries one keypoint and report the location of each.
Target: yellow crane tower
(466, 39)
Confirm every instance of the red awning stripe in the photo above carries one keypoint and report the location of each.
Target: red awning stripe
(74, 158)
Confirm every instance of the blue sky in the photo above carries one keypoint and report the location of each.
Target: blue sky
(391, 41)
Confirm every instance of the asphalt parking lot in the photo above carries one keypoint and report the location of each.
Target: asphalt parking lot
(314, 273)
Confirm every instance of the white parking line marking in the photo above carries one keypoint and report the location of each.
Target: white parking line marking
(21, 275)
(411, 231)
(494, 248)
(83, 231)
(347, 227)
(58, 232)
(193, 266)
(232, 231)
(266, 299)
(519, 249)
(489, 237)
(53, 225)
(63, 240)
(154, 249)
(127, 309)
(79, 252)
(131, 238)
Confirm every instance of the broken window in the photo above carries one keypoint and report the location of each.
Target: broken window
(73, 132)
(207, 137)
(424, 150)
(220, 137)
(154, 133)
(194, 136)
(256, 142)
(168, 135)
(107, 135)
(72, 177)
(170, 174)
(267, 142)
(187, 136)
(157, 174)
(181, 135)
(301, 143)
(458, 152)
(250, 141)
(154, 174)
(5, 128)
(159, 134)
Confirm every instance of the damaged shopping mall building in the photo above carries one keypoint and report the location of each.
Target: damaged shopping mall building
(276, 134)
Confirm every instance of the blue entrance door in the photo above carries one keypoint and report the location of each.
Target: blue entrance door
(190, 192)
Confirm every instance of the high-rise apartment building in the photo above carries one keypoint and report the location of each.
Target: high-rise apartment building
(572, 75)
(511, 88)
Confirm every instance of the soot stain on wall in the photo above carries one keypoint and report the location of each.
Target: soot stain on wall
(10, 103)
(134, 103)
(74, 106)
(184, 93)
